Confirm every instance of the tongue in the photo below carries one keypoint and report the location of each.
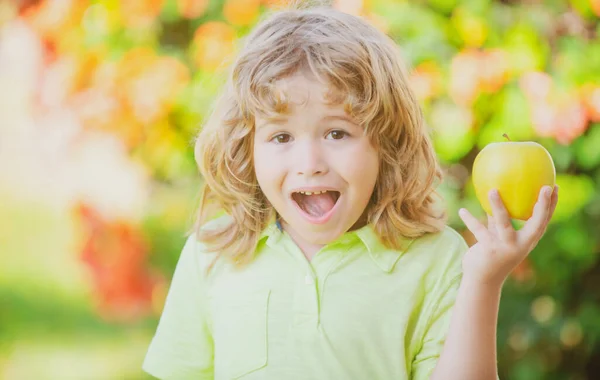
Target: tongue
(317, 204)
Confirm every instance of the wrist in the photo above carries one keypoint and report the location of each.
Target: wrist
(478, 285)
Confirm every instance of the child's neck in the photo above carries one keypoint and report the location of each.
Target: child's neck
(310, 249)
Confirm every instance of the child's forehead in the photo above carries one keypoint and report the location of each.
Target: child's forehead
(299, 99)
(307, 91)
(302, 87)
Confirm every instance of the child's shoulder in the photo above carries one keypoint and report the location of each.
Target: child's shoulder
(448, 237)
(217, 222)
(198, 248)
(442, 250)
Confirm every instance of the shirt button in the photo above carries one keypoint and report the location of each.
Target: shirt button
(308, 280)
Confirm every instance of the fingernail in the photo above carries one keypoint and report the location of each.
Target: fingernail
(548, 191)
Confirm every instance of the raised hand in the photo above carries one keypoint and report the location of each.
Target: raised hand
(500, 248)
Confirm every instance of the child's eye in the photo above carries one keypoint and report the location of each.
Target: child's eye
(337, 135)
(281, 138)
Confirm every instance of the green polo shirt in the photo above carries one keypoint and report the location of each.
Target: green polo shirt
(357, 311)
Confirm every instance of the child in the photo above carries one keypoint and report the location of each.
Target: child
(333, 261)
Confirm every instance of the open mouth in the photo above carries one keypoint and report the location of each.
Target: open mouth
(316, 203)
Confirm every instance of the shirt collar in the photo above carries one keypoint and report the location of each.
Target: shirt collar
(273, 230)
(385, 258)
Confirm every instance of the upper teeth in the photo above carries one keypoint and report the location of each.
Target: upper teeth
(312, 192)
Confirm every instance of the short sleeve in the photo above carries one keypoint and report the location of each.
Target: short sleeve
(435, 336)
(438, 320)
(182, 347)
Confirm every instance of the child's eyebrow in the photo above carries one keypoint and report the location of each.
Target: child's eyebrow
(340, 117)
(276, 121)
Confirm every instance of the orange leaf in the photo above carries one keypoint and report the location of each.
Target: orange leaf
(427, 80)
(116, 255)
(140, 13)
(241, 12)
(591, 100)
(595, 5)
(464, 77)
(213, 42)
(192, 8)
(495, 70)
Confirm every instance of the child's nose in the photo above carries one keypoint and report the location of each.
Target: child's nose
(311, 160)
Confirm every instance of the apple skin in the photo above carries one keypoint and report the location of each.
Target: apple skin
(518, 169)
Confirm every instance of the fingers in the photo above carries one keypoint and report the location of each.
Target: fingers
(491, 225)
(535, 226)
(504, 227)
(479, 231)
(553, 203)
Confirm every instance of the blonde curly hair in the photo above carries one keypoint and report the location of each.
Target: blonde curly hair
(364, 69)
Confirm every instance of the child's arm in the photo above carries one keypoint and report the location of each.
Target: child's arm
(470, 348)
(469, 352)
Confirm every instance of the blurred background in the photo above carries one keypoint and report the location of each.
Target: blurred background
(99, 104)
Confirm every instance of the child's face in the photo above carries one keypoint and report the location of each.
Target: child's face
(314, 148)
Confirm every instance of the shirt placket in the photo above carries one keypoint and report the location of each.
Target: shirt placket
(309, 292)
